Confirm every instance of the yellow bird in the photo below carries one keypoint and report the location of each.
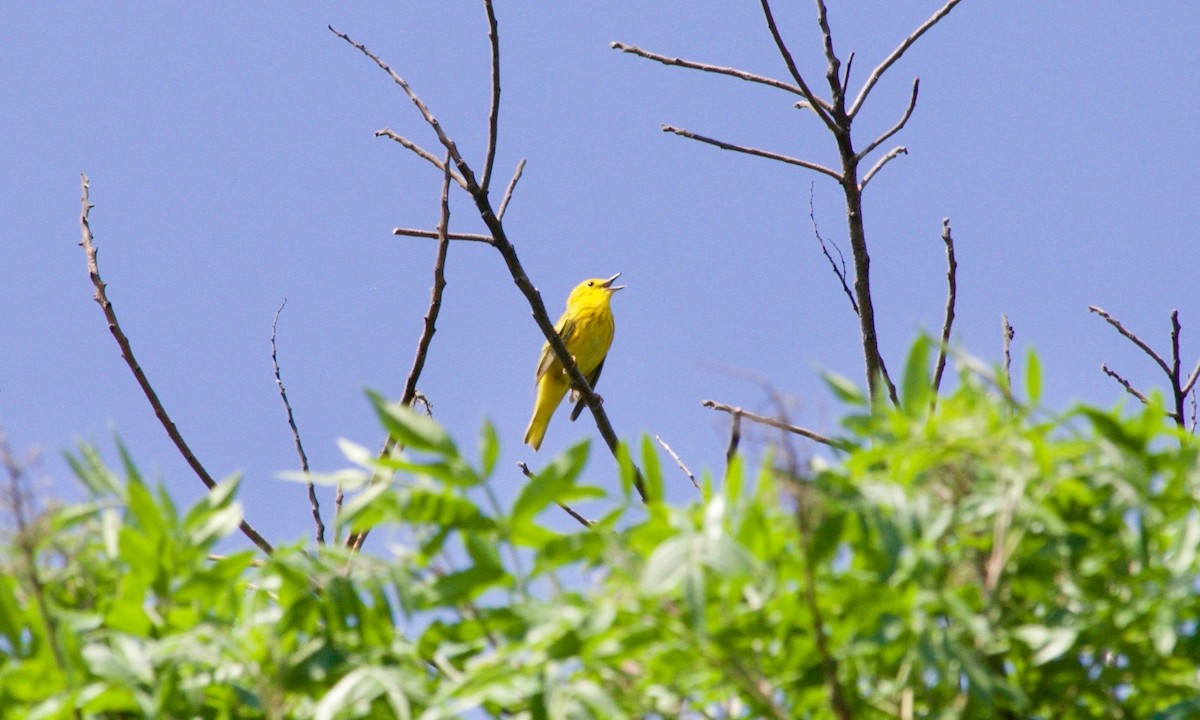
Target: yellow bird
(586, 328)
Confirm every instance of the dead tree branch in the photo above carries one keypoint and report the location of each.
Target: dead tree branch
(1129, 388)
(1180, 387)
(838, 270)
(705, 67)
(796, 429)
(678, 461)
(420, 152)
(1007, 333)
(101, 298)
(508, 191)
(433, 234)
(291, 420)
(566, 508)
(752, 151)
(489, 157)
(951, 300)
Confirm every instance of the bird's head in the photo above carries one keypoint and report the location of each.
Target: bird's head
(593, 291)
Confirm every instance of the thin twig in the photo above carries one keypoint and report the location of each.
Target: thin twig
(566, 508)
(1129, 388)
(803, 432)
(839, 271)
(489, 158)
(735, 436)
(1132, 338)
(1176, 385)
(101, 298)
(951, 298)
(1007, 334)
(291, 419)
(897, 53)
(355, 540)
(420, 152)
(705, 67)
(912, 105)
(433, 234)
(443, 138)
(1191, 381)
(891, 155)
(820, 107)
(508, 191)
(678, 461)
(752, 151)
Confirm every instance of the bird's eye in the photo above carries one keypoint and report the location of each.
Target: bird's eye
(590, 283)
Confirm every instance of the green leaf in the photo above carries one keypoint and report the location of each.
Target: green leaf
(1033, 377)
(489, 449)
(1048, 643)
(651, 471)
(412, 429)
(550, 483)
(918, 385)
(844, 389)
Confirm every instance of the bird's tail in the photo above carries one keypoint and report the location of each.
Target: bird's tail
(549, 395)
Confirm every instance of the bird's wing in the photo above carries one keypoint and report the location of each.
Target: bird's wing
(592, 380)
(565, 329)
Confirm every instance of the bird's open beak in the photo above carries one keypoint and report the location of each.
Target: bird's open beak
(608, 284)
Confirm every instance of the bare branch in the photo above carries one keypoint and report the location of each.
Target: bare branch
(566, 508)
(752, 151)
(420, 151)
(839, 271)
(468, 178)
(735, 436)
(355, 540)
(291, 419)
(887, 380)
(1191, 380)
(101, 298)
(433, 234)
(951, 299)
(508, 191)
(892, 155)
(704, 67)
(832, 64)
(912, 105)
(803, 432)
(1008, 333)
(1129, 388)
(897, 53)
(818, 106)
(494, 110)
(678, 461)
(1132, 338)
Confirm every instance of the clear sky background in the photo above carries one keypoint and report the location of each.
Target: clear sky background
(233, 165)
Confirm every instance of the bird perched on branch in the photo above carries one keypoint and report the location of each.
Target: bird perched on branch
(586, 328)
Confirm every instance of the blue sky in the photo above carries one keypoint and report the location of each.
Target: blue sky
(231, 152)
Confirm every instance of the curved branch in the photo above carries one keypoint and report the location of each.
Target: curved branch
(912, 104)
(951, 299)
(705, 67)
(101, 298)
(291, 419)
(494, 109)
(752, 151)
(897, 54)
(892, 155)
(765, 420)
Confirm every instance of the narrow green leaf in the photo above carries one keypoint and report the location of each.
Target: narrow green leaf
(549, 484)
(489, 449)
(918, 385)
(651, 471)
(844, 389)
(1033, 378)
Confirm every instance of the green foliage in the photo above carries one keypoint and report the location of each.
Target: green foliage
(970, 560)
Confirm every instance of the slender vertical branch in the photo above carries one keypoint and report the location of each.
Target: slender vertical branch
(291, 419)
(1007, 334)
(101, 298)
(356, 540)
(508, 191)
(494, 110)
(735, 436)
(951, 299)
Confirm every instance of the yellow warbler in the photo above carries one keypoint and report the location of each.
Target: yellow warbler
(586, 328)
